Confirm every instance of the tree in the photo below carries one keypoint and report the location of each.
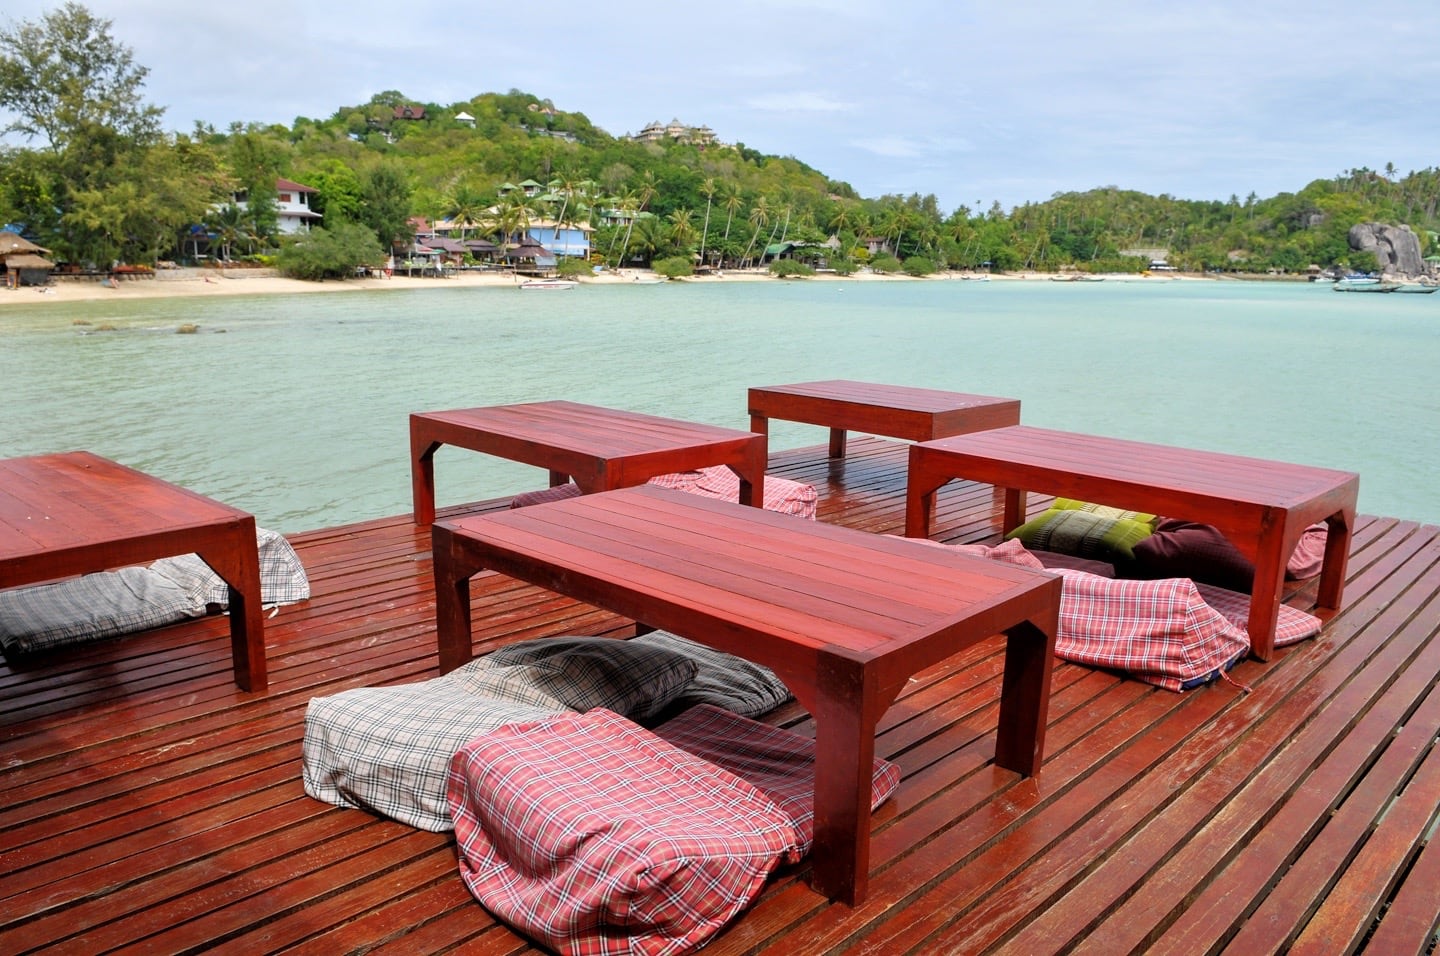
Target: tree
(708, 189)
(385, 208)
(66, 74)
(331, 253)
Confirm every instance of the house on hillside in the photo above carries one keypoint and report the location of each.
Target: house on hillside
(292, 205)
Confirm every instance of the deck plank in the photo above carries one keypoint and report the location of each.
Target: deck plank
(152, 807)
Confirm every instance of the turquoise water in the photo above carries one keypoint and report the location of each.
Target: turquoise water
(295, 407)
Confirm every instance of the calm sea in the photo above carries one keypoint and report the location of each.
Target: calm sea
(295, 407)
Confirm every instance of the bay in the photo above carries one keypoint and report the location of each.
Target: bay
(295, 407)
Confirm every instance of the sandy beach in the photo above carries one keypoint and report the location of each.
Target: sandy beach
(214, 282)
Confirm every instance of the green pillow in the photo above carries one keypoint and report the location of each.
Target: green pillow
(1104, 511)
(1084, 534)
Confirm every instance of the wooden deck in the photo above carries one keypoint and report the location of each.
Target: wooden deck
(151, 806)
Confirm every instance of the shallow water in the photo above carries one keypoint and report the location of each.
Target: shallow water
(295, 407)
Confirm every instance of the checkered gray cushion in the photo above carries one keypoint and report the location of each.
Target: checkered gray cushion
(633, 679)
(388, 749)
(282, 576)
(722, 679)
(91, 607)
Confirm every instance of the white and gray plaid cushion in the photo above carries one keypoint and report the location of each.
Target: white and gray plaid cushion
(90, 608)
(388, 749)
(721, 679)
(282, 576)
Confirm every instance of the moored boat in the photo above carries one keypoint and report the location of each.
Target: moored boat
(557, 284)
(1365, 284)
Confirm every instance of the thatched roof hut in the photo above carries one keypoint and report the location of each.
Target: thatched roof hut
(20, 262)
(11, 242)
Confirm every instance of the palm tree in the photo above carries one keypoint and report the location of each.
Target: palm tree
(681, 231)
(643, 195)
(733, 202)
(462, 204)
(708, 188)
(759, 218)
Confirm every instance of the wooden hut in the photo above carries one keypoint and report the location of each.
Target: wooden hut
(21, 261)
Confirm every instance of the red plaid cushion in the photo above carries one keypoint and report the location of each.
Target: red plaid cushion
(780, 763)
(1293, 625)
(1309, 554)
(593, 835)
(1161, 631)
(781, 494)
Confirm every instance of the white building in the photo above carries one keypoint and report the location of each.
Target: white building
(292, 205)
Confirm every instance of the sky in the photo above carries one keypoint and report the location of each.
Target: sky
(975, 103)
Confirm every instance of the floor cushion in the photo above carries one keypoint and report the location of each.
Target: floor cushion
(721, 679)
(1291, 625)
(1162, 632)
(594, 836)
(1085, 534)
(1188, 549)
(781, 494)
(111, 603)
(388, 749)
(635, 679)
(282, 576)
(90, 608)
(778, 762)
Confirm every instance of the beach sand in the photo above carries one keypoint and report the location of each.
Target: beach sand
(213, 282)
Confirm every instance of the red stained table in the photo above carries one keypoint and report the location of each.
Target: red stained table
(897, 411)
(1262, 506)
(77, 513)
(844, 617)
(600, 448)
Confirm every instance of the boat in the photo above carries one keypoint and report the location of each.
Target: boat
(557, 284)
(1417, 288)
(649, 280)
(1365, 284)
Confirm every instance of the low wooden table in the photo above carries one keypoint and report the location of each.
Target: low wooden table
(1262, 506)
(600, 448)
(845, 618)
(896, 411)
(76, 513)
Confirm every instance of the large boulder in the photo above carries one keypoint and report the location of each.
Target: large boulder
(1396, 248)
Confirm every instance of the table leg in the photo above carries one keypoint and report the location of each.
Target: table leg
(237, 560)
(422, 476)
(837, 443)
(1340, 526)
(1015, 508)
(844, 768)
(922, 480)
(1025, 692)
(1268, 587)
(752, 474)
(452, 601)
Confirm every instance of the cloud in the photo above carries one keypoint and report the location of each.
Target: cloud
(798, 101)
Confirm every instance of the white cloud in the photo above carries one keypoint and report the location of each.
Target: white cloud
(798, 101)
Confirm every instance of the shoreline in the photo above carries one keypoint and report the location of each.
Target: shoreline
(208, 282)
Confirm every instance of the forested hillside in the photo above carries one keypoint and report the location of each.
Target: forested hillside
(97, 180)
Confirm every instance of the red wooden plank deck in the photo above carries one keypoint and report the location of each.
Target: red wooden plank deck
(151, 806)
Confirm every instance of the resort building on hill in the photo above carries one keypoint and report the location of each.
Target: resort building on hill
(677, 131)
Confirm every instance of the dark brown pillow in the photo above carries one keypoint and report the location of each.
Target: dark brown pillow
(1186, 549)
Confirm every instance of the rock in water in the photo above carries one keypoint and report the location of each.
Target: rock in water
(1396, 248)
